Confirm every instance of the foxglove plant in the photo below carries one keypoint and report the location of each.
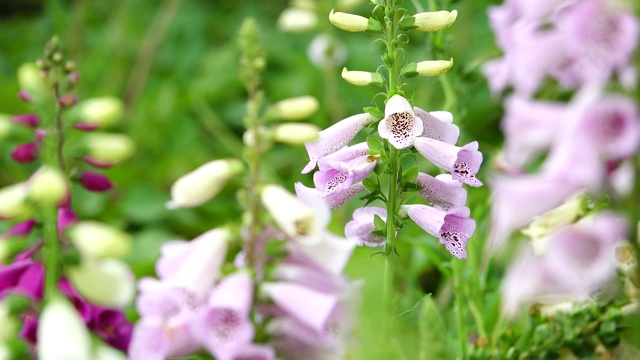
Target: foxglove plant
(284, 294)
(60, 300)
(398, 130)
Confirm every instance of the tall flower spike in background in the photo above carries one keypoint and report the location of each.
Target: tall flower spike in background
(264, 304)
(80, 296)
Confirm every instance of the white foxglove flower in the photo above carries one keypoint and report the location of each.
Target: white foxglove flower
(62, 334)
(435, 20)
(107, 282)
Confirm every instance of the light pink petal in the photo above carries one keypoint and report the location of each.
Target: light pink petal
(359, 229)
(438, 125)
(442, 191)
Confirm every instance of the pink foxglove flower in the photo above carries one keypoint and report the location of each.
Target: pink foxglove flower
(223, 324)
(359, 229)
(331, 253)
(25, 153)
(400, 125)
(441, 191)
(93, 181)
(334, 138)
(453, 227)
(28, 120)
(21, 229)
(462, 162)
(438, 125)
(343, 168)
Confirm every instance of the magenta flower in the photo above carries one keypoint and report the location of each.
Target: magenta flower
(66, 217)
(359, 229)
(400, 125)
(442, 191)
(334, 138)
(24, 277)
(28, 120)
(112, 326)
(22, 229)
(453, 228)
(438, 125)
(223, 325)
(462, 162)
(25, 153)
(93, 181)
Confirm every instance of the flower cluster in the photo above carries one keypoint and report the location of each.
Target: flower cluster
(558, 155)
(88, 291)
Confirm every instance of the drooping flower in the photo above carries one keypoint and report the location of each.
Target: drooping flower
(462, 162)
(62, 335)
(334, 138)
(438, 125)
(400, 125)
(343, 168)
(359, 229)
(441, 191)
(453, 227)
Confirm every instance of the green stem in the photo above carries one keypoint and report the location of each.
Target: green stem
(52, 156)
(457, 283)
(253, 161)
(391, 228)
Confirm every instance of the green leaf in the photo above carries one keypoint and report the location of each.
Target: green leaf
(374, 144)
(379, 223)
(434, 342)
(370, 184)
(379, 233)
(411, 187)
(410, 174)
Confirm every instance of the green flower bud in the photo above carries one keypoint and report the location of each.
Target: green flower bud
(433, 68)
(109, 148)
(48, 186)
(96, 240)
(362, 78)
(101, 112)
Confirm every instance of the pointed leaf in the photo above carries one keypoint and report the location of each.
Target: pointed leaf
(410, 174)
(434, 342)
(379, 223)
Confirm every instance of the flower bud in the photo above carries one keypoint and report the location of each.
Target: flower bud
(433, 68)
(62, 334)
(25, 153)
(49, 186)
(28, 120)
(93, 181)
(362, 78)
(434, 21)
(297, 20)
(5, 126)
(13, 201)
(10, 325)
(102, 112)
(552, 220)
(292, 216)
(105, 150)
(25, 96)
(294, 109)
(30, 80)
(202, 184)
(295, 134)
(67, 101)
(107, 282)
(353, 23)
(96, 240)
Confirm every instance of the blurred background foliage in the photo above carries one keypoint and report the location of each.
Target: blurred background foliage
(174, 63)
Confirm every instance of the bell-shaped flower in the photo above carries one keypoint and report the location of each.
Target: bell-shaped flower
(400, 125)
(13, 202)
(462, 162)
(308, 306)
(530, 128)
(435, 20)
(302, 221)
(331, 253)
(223, 325)
(24, 277)
(442, 191)
(203, 183)
(438, 125)
(25, 153)
(359, 229)
(453, 227)
(113, 327)
(334, 138)
(62, 335)
(157, 339)
(105, 282)
(95, 240)
(195, 265)
(343, 168)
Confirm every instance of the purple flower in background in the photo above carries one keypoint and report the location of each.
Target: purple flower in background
(334, 138)
(453, 227)
(359, 229)
(462, 162)
(400, 125)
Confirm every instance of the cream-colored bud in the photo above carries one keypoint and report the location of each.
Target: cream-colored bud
(294, 217)
(13, 201)
(202, 184)
(544, 225)
(362, 78)
(95, 240)
(304, 4)
(5, 125)
(293, 109)
(109, 148)
(297, 20)
(295, 134)
(433, 68)
(102, 111)
(106, 282)
(49, 186)
(104, 352)
(62, 334)
(29, 79)
(434, 21)
(349, 22)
